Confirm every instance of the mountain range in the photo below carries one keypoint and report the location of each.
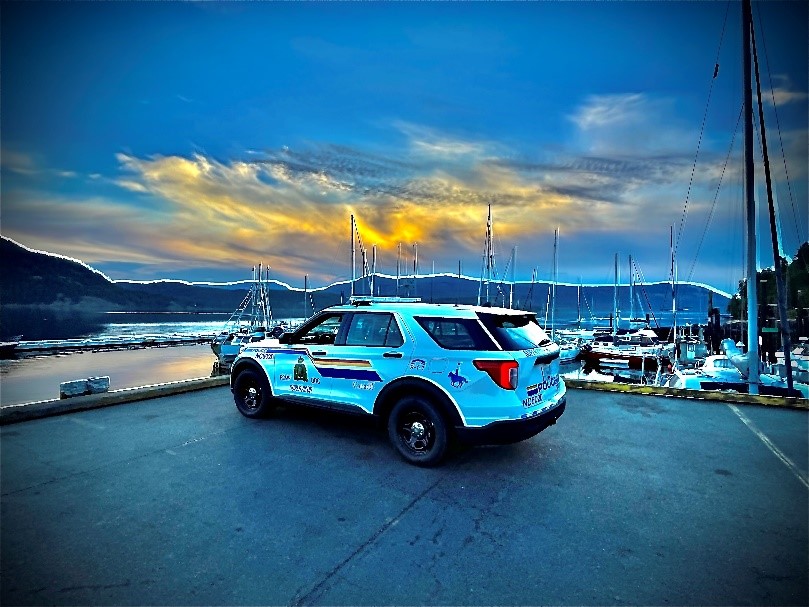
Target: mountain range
(34, 278)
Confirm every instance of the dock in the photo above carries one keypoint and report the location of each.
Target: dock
(99, 344)
(631, 498)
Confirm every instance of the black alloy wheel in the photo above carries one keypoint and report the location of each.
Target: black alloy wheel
(418, 431)
(252, 394)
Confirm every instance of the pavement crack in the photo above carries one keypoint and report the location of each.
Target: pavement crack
(317, 590)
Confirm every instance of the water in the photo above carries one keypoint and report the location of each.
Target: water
(167, 323)
(46, 324)
(37, 378)
(39, 323)
(34, 378)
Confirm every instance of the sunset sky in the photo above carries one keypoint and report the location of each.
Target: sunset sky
(194, 140)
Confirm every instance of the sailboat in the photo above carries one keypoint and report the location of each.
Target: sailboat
(748, 364)
(570, 347)
(636, 349)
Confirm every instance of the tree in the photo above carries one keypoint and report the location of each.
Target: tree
(797, 284)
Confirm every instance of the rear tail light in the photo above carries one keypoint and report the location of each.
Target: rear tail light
(505, 373)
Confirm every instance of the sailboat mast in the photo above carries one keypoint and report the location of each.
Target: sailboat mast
(513, 276)
(555, 278)
(615, 299)
(482, 269)
(673, 276)
(373, 269)
(261, 307)
(776, 254)
(305, 293)
(750, 207)
(489, 253)
(353, 257)
(415, 266)
(631, 291)
(253, 302)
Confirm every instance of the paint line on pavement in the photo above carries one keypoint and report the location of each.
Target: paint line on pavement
(801, 476)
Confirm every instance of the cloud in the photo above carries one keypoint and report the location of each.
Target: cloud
(609, 110)
(292, 207)
(629, 124)
(29, 165)
(18, 162)
(289, 207)
(429, 142)
(782, 92)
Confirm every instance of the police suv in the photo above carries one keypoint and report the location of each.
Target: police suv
(433, 373)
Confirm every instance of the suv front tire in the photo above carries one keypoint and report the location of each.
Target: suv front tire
(252, 394)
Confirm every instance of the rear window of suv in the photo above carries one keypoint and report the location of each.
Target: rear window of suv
(515, 331)
(456, 333)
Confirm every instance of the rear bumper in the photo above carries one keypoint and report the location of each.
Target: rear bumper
(512, 430)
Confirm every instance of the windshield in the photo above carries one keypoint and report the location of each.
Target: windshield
(515, 332)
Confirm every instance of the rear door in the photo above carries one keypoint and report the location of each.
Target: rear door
(373, 350)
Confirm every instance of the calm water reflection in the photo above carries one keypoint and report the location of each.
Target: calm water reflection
(34, 379)
(37, 323)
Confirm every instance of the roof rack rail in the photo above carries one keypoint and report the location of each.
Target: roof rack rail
(367, 300)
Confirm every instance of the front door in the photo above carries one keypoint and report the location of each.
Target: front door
(297, 375)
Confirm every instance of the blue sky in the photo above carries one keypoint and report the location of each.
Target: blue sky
(193, 140)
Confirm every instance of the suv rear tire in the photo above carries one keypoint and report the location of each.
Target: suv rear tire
(418, 431)
(252, 394)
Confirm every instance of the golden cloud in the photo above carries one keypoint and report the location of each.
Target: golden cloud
(237, 213)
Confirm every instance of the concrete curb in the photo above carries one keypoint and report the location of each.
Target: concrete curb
(19, 413)
(11, 414)
(706, 395)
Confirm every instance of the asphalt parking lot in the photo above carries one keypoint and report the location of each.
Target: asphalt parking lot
(628, 500)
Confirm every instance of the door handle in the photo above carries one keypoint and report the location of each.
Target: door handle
(319, 353)
(392, 355)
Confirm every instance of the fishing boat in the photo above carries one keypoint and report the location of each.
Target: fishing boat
(248, 323)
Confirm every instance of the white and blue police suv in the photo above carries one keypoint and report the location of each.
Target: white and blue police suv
(433, 373)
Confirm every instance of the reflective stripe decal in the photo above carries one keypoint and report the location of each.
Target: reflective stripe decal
(340, 362)
(345, 368)
(365, 374)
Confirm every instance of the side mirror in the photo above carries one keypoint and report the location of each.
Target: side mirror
(283, 338)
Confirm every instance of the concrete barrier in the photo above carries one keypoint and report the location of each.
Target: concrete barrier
(83, 387)
(705, 395)
(10, 414)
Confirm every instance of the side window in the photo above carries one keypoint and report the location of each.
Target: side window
(323, 332)
(373, 329)
(456, 333)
